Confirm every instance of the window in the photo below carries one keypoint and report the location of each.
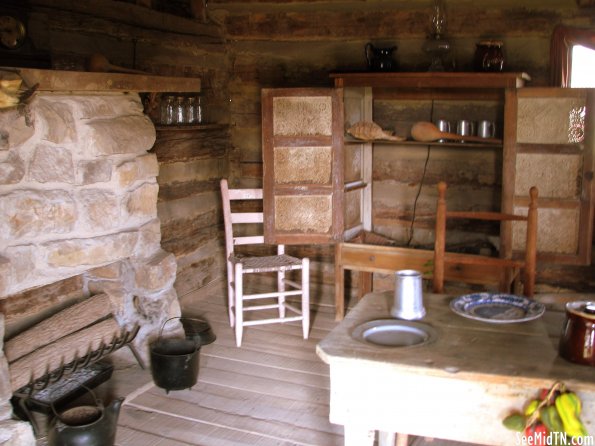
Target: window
(564, 41)
(582, 71)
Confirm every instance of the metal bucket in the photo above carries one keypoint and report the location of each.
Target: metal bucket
(174, 362)
(198, 330)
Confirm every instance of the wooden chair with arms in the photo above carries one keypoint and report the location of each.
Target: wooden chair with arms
(238, 266)
(478, 269)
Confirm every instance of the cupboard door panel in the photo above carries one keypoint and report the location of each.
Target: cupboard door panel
(302, 138)
(358, 164)
(554, 151)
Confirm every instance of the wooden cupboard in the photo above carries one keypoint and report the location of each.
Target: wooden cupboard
(318, 180)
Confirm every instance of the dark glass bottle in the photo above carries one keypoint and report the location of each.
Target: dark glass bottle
(489, 56)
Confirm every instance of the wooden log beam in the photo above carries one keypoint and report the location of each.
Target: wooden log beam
(65, 322)
(51, 357)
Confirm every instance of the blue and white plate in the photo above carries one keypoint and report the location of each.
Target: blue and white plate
(497, 308)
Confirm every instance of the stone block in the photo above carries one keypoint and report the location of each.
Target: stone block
(51, 164)
(14, 129)
(113, 271)
(122, 303)
(85, 253)
(142, 201)
(94, 171)
(94, 106)
(152, 311)
(17, 267)
(98, 210)
(129, 134)
(12, 169)
(142, 168)
(5, 389)
(5, 275)
(113, 279)
(59, 124)
(157, 273)
(28, 213)
(149, 240)
(16, 433)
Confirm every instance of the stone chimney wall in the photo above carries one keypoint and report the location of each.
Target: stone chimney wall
(77, 186)
(78, 196)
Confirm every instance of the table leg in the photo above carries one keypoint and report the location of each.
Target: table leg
(359, 436)
(339, 285)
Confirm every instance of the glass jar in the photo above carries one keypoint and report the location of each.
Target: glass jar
(191, 117)
(180, 111)
(167, 110)
(199, 109)
(489, 56)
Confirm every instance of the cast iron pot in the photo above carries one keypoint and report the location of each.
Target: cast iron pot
(174, 362)
(198, 330)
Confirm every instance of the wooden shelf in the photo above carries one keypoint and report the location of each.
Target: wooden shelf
(425, 144)
(431, 80)
(83, 81)
(186, 128)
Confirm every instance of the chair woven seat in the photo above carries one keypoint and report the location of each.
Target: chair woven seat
(268, 263)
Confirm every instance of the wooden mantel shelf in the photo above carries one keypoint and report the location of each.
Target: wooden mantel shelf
(82, 81)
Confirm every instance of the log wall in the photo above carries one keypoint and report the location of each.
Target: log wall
(288, 43)
(245, 45)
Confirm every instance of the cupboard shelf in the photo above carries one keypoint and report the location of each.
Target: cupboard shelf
(453, 144)
(186, 128)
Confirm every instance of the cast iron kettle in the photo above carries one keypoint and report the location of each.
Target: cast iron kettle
(577, 343)
(86, 425)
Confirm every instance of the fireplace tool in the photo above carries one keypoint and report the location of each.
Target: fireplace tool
(68, 381)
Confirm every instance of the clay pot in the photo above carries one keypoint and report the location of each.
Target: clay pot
(577, 343)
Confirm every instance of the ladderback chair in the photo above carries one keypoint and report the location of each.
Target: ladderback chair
(239, 265)
(507, 273)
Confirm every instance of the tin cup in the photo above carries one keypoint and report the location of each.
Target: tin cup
(486, 129)
(408, 302)
(444, 126)
(465, 128)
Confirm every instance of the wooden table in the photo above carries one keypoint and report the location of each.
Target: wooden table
(458, 387)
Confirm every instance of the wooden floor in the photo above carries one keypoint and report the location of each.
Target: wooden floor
(274, 390)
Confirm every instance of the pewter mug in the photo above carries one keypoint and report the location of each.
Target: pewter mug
(465, 127)
(444, 126)
(408, 295)
(486, 129)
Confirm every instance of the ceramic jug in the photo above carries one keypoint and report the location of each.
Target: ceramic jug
(577, 342)
(86, 425)
(489, 56)
(380, 59)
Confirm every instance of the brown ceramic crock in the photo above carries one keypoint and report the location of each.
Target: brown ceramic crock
(577, 343)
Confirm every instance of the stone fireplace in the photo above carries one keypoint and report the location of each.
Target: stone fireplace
(78, 204)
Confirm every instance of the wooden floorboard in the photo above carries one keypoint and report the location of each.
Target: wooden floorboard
(273, 390)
